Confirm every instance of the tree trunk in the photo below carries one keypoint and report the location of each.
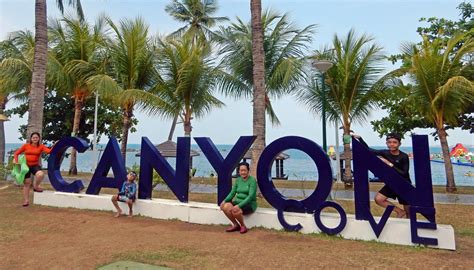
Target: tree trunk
(258, 58)
(3, 103)
(78, 105)
(38, 82)
(448, 167)
(347, 179)
(187, 125)
(127, 121)
(173, 127)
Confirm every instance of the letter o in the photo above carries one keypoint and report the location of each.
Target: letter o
(321, 226)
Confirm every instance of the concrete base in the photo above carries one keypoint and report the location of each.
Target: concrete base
(396, 231)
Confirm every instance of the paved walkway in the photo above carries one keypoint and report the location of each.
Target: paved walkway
(335, 194)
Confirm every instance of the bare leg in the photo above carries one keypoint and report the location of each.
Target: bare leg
(130, 205)
(26, 191)
(38, 178)
(115, 202)
(407, 210)
(238, 215)
(227, 208)
(381, 200)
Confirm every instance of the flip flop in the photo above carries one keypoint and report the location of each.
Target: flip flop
(37, 189)
(25, 204)
(233, 229)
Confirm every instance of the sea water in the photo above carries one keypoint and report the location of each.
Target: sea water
(298, 167)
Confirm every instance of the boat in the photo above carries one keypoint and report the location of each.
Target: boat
(460, 156)
(459, 163)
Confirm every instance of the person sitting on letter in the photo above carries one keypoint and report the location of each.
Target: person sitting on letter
(242, 199)
(127, 194)
(398, 160)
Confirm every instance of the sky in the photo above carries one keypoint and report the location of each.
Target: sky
(390, 22)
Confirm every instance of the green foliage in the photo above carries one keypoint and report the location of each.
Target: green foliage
(156, 177)
(59, 113)
(403, 113)
(439, 94)
(350, 92)
(403, 116)
(197, 15)
(284, 45)
(188, 78)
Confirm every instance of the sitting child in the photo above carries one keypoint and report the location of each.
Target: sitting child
(127, 194)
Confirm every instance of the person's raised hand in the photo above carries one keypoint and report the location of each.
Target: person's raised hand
(386, 161)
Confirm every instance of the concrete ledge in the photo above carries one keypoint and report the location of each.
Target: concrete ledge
(396, 231)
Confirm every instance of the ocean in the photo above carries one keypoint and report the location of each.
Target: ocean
(298, 167)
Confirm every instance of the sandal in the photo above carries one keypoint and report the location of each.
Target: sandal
(25, 204)
(233, 228)
(38, 189)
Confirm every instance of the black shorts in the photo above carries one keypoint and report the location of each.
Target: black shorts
(33, 171)
(389, 193)
(246, 210)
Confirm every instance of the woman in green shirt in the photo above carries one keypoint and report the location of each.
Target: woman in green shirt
(242, 199)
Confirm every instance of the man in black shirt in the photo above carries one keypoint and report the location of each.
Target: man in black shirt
(398, 160)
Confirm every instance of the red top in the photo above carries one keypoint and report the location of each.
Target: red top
(32, 153)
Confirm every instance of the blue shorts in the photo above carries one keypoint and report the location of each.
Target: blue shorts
(123, 198)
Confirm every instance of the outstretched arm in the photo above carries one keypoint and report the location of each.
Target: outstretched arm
(359, 138)
(46, 149)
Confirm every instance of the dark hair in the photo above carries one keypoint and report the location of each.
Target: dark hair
(395, 136)
(244, 164)
(133, 173)
(35, 133)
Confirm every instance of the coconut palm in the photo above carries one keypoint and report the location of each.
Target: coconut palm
(187, 79)
(132, 73)
(283, 52)
(258, 79)
(78, 53)
(439, 90)
(284, 47)
(198, 19)
(197, 15)
(16, 55)
(350, 82)
(38, 82)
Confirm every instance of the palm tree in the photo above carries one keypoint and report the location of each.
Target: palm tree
(132, 73)
(350, 81)
(197, 15)
(284, 46)
(78, 50)
(16, 55)
(187, 79)
(258, 75)
(283, 51)
(38, 82)
(439, 90)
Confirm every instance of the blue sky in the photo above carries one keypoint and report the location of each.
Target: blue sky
(390, 22)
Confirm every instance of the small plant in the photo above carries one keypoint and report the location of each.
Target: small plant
(156, 177)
